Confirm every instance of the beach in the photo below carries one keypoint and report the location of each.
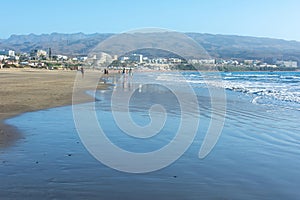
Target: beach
(27, 90)
(256, 156)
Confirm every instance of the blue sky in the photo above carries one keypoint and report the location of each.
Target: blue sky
(263, 18)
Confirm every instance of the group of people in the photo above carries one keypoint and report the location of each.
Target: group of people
(82, 71)
(124, 71)
(127, 71)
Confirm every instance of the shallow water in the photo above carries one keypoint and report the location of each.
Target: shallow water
(256, 157)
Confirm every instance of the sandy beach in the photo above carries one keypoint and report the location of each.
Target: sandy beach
(256, 156)
(25, 90)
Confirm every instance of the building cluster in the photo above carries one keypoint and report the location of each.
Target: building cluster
(139, 60)
(39, 58)
(246, 63)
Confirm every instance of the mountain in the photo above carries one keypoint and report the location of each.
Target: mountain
(172, 42)
(245, 47)
(218, 46)
(67, 44)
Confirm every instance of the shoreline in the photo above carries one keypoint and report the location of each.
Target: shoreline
(29, 90)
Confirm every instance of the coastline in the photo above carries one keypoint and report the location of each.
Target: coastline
(27, 90)
(255, 155)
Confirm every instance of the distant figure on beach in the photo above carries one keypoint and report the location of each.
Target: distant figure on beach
(105, 71)
(130, 72)
(82, 72)
(123, 72)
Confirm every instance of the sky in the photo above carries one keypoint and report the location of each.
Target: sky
(262, 18)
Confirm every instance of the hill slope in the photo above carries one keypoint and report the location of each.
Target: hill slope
(218, 46)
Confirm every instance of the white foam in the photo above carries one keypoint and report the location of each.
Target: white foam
(262, 86)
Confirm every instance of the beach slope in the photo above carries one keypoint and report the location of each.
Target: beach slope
(25, 90)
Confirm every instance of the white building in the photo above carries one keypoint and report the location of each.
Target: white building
(248, 62)
(287, 63)
(10, 53)
(175, 60)
(82, 58)
(124, 58)
(61, 57)
(202, 61)
(37, 53)
(136, 57)
(3, 57)
(115, 57)
(41, 53)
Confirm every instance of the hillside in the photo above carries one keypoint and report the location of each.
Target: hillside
(218, 46)
(67, 44)
(245, 47)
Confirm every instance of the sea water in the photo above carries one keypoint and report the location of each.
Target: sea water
(255, 157)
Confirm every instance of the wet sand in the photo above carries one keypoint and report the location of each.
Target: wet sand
(256, 157)
(26, 90)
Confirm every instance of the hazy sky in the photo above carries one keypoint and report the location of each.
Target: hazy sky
(265, 18)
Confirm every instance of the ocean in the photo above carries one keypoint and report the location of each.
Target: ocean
(246, 124)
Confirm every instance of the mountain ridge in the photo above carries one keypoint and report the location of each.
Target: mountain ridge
(217, 45)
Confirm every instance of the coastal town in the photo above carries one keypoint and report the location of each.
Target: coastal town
(44, 59)
(142, 100)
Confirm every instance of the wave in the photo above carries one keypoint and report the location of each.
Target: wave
(277, 88)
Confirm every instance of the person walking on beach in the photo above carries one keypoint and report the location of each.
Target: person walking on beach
(82, 72)
(105, 71)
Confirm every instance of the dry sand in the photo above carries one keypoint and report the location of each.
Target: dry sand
(25, 90)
